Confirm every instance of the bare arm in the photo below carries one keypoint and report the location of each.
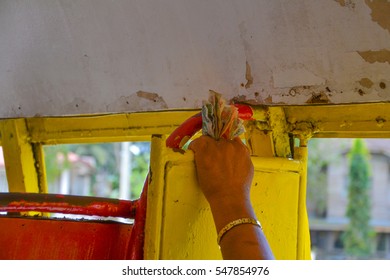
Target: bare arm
(225, 173)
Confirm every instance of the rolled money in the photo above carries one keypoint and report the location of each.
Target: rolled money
(220, 120)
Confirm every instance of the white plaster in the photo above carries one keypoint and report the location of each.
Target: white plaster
(60, 57)
(296, 77)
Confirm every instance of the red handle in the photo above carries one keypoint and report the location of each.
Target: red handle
(187, 129)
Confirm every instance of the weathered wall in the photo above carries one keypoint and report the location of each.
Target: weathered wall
(61, 57)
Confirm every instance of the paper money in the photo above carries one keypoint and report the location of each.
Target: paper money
(220, 120)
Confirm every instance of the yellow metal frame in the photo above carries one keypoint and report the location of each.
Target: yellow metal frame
(20, 160)
(367, 120)
(268, 136)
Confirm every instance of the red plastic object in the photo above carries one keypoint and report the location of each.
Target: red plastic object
(187, 129)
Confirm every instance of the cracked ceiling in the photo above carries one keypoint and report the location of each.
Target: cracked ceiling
(64, 58)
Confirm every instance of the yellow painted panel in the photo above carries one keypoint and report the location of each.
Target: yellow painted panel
(275, 199)
(188, 230)
(259, 142)
(182, 218)
(19, 157)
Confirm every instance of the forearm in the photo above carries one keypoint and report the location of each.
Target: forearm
(225, 173)
(244, 241)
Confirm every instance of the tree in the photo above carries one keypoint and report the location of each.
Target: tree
(358, 237)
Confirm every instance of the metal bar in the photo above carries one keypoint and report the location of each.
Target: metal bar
(40, 167)
(303, 241)
(279, 134)
(366, 120)
(20, 162)
(107, 128)
(67, 204)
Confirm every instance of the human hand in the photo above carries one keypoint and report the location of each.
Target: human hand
(224, 168)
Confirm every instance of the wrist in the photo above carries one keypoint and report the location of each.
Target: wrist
(227, 210)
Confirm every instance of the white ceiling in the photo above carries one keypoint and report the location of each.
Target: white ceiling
(60, 57)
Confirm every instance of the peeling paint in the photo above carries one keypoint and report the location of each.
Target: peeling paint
(316, 98)
(346, 124)
(268, 100)
(150, 96)
(279, 127)
(245, 100)
(360, 91)
(304, 129)
(139, 101)
(381, 56)
(248, 76)
(341, 2)
(300, 90)
(346, 3)
(366, 82)
(380, 122)
(382, 88)
(380, 11)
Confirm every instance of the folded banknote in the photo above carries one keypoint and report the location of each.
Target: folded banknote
(220, 120)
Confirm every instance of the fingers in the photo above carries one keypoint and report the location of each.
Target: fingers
(205, 141)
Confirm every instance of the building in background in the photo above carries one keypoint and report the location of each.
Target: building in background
(76, 179)
(327, 228)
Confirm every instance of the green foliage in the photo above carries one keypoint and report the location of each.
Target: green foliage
(56, 160)
(322, 153)
(140, 170)
(358, 238)
(107, 163)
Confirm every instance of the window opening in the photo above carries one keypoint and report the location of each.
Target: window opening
(329, 179)
(113, 170)
(3, 176)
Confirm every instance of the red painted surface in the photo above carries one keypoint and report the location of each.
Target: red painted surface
(54, 239)
(67, 204)
(137, 239)
(186, 130)
(245, 112)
